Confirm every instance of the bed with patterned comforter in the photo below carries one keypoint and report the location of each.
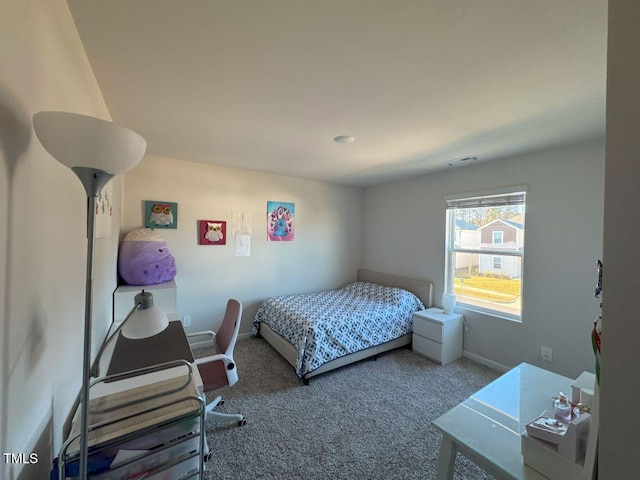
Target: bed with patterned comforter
(328, 325)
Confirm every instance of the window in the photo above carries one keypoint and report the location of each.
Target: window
(484, 250)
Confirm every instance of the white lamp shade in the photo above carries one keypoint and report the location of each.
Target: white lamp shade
(81, 141)
(448, 302)
(145, 323)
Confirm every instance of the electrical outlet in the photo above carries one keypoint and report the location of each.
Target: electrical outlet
(186, 320)
(546, 354)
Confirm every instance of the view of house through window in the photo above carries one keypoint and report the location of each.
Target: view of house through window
(485, 246)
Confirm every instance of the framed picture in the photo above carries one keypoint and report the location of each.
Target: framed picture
(160, 214)
(212, 232)
(280, 221)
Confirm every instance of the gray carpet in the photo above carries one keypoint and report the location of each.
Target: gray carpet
(369, 420)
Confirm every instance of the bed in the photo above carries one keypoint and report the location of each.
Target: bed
(319, 332)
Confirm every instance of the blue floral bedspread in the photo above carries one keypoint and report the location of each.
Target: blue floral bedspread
(327, 325)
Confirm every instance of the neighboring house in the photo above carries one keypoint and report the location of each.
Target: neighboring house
(502, 235)
(467, 235)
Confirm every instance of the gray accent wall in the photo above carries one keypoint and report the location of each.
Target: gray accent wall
(404, 233)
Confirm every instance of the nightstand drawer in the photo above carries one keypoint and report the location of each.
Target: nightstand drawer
(426, 328)
(427, 348)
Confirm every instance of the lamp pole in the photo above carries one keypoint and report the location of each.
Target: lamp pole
(93, 180)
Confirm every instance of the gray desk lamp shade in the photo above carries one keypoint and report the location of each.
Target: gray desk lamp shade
(96, 150)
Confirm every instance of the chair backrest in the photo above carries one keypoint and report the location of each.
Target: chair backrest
(217, 374)
(227, 334)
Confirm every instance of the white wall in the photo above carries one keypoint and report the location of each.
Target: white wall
(404, 233)
(324, 254)
(620, 369)
(43, 230)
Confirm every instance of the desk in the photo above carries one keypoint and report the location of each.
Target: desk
(486, 428)
(148, 352)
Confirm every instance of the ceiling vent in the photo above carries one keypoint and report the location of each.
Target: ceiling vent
(344, 139)
(462, 162)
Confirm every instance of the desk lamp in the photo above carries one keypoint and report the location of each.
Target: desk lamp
(144, 320)
(96, 150)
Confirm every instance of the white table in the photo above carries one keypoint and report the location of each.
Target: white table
(486, 428)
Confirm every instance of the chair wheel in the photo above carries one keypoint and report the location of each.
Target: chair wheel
(242, 422)
(208, 456)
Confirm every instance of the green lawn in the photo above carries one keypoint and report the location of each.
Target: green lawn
(494, 288)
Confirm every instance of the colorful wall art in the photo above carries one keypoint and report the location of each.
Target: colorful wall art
(212, 232)
(160, 214)
(280, 221)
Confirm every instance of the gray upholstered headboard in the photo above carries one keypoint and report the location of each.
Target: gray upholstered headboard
(423, 289)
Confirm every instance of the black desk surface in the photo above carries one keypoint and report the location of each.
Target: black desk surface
(169, 345)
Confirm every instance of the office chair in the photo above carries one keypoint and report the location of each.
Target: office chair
(219, 370)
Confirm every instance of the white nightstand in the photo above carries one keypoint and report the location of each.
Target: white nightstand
(437, 335)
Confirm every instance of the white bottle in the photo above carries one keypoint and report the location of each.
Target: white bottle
(562, 407)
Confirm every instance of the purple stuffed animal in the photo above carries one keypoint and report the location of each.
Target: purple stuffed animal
(144, 259)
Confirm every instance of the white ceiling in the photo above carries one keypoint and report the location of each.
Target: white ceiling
(266, 84)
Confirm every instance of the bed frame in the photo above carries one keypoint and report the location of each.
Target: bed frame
(423, 289)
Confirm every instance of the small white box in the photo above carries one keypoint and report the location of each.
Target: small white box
(586, 397)
(569, 440)
(548, 429)
(586, 383)
(544, 458)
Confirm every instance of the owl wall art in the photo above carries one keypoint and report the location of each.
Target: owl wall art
(161, 214)
(212, 232)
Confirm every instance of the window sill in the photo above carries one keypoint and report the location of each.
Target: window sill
(488, 312)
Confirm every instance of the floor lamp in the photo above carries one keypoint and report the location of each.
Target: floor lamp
(96, 150)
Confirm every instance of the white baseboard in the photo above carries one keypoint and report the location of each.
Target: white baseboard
(205, 343)
(485, 361)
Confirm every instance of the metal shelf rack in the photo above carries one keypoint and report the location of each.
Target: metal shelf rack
(152, 432)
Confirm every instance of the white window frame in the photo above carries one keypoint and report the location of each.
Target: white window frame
(508, 195)
(493, 236)
(493, 262)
